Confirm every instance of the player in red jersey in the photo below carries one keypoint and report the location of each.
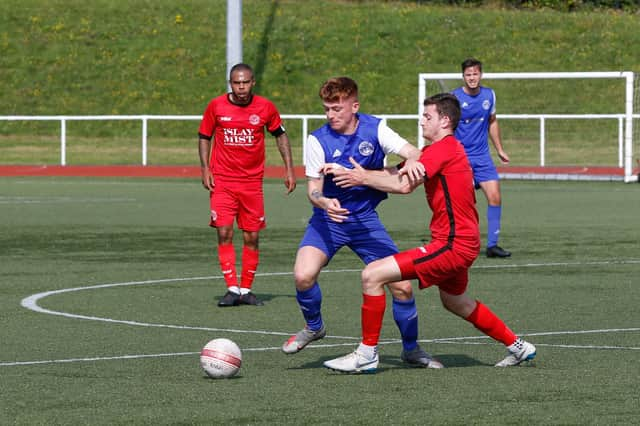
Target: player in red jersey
(445, 172)
(233, 171)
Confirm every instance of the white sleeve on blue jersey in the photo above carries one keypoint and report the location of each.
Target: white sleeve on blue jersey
(390, 141)
(314, 157)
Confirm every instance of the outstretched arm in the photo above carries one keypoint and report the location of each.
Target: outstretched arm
(389, 179)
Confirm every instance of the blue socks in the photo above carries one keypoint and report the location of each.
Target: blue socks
(310, 302)
(493, 225)
(406, 316)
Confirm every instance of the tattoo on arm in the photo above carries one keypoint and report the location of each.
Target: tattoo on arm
(316, 194)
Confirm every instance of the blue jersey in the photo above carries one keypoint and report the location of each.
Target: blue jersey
(365, 147)
(473, 128)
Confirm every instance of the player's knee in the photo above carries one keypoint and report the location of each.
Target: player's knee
(370, 282)
(303, 278)
(460, 305)
(225, 235)
(401, 290)
(494, 199)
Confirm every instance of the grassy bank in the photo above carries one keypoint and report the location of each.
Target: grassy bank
(159, 57)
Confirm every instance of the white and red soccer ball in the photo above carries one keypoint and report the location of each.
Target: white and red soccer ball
(221, 358)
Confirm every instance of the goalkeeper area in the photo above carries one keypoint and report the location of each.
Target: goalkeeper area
(560, 125)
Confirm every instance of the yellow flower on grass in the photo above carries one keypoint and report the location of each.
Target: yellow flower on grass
(179, 19)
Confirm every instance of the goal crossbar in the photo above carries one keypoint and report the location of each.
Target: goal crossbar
(628, 76)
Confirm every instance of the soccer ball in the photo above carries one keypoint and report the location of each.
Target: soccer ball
(221, 358)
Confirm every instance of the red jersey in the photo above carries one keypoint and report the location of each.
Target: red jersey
(238, 135)
(450, 193)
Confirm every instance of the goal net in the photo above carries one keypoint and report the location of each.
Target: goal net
(559, 125)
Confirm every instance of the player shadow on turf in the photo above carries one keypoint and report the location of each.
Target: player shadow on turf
(267, 297)
(392, 362)
(448, 360)
(222, 379)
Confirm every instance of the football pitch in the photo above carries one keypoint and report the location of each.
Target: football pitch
(108, 291)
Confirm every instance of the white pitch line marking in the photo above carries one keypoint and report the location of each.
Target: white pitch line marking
(31, 303)
(57, 200)
(313, 346)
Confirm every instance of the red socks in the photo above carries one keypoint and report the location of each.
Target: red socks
(486, 321)
(372, 313)
(227, 258)
(249, 266)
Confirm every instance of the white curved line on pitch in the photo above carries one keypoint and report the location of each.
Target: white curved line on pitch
(273, 348)
(31, 303)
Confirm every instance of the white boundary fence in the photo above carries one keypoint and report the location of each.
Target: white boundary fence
(304, 122)
(625, 152)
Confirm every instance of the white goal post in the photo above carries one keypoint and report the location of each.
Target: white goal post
(426, 82)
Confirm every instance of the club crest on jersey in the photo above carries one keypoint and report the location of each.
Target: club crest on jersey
(485, 104)
(254, 119)
(365, 148)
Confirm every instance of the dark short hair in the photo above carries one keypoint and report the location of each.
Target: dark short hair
(471, 62)
(447, 105)
(337, 88)
(240, 67)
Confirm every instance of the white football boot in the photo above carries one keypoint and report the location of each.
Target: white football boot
(355, 362)
(519, 352)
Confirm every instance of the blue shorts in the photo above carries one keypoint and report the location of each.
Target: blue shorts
(483, 169)
(366, 237)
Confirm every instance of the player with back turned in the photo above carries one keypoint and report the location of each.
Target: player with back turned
(233, 170)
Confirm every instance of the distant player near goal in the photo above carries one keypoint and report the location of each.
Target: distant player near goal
(478, 120)
(233, 173)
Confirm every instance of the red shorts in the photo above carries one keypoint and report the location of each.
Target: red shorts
(244, 201)
(439, 264)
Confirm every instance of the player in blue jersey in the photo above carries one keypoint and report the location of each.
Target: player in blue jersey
(347, 216)
(478, 123)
